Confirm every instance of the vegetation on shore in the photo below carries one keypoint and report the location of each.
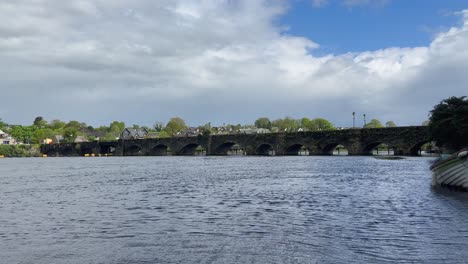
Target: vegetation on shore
(64, 132)
(19, 150)
(448, 124)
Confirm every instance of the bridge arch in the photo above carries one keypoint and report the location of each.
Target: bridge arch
(297, 149)
(265, 149)
(159, 150)
(133, 150)
(374, 148)
(108, 148)
(228, 146)
(335, 148)
(416, 149)
(192, 149)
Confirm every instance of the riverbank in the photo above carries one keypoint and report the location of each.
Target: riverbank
(19, 151)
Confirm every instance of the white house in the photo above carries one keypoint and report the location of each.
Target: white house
(254, 131)
(6, 139)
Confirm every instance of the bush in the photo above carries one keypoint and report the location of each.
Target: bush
(19, 150)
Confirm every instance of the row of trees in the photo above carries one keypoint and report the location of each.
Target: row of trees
(290, 124)
(374, 123)
(42, 129)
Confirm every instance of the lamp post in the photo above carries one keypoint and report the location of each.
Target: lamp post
(354, 119)
(123, 145)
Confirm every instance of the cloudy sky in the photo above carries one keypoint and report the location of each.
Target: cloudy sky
(230, 61)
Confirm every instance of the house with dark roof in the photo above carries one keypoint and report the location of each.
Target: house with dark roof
(189, 132)
(134, 133)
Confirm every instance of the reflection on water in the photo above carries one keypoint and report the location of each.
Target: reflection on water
(228, 210)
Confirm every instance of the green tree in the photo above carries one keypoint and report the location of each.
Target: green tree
(18, 133)
(40, 134)
(320, 124)
(57, 124)
(390, 124)
(70, 134)
(176, 124)
(40, 122)
(263, 122)
(449, 123)
(305, 122)
(109, 137)
(75, 124)
(116, 128)
(374, 123)
(2, 124)
(164, 134)
(23, 133)
(287, 124)
(158, 126)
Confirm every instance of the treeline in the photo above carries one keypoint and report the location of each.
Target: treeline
(65, 132)
(60, 131)
(289, 124)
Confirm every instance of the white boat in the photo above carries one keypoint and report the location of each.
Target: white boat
(452, 171)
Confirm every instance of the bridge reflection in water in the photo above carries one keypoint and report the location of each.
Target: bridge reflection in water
(405, 141)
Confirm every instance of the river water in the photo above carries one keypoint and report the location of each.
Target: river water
(228, 210)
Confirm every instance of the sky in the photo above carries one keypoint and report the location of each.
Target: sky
(230, 61)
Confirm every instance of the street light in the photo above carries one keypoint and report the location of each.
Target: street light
(354, 119)
(123, 145)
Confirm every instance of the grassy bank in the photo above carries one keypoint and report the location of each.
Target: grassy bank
(19, 150)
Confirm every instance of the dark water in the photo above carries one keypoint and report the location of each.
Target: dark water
(228, 210)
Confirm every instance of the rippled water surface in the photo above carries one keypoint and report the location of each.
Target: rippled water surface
(228, 210)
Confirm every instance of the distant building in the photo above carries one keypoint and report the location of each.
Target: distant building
(6, 139)
(47, 141)
(253, 131)
(191, 131)
(81, 139)
(222, 130)
(58, 138)
(132, 133)
(152, 135)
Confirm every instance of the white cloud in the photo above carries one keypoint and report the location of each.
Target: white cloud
(219, 61)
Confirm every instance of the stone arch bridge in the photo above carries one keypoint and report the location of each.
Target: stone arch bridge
(403, 140)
